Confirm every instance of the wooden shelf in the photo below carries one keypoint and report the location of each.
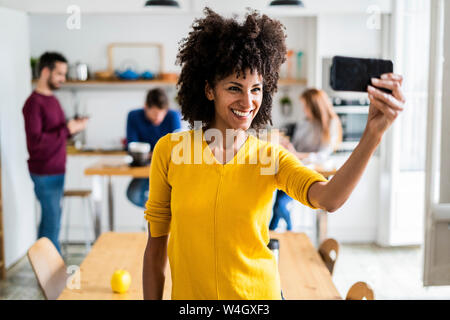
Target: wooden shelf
(145, 83)
(114, 83)
(119, 82)
(72, 151)
(292, 82)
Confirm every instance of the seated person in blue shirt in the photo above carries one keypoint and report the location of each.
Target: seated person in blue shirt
(149, 124)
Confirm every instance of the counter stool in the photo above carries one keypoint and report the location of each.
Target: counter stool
(85, 196)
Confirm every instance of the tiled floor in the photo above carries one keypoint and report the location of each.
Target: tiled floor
(393, 273)
(21, 284)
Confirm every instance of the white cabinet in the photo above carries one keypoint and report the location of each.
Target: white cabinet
(356, 221)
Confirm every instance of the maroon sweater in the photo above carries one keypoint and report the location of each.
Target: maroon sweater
(46, 130)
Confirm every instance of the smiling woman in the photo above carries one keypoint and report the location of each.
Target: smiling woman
(220, 51)
(237, 100)
(217, 209)
(216, 203)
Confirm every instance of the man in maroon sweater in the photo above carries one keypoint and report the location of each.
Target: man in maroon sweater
(47, 131)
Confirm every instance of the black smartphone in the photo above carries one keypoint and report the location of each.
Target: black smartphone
(354, 74)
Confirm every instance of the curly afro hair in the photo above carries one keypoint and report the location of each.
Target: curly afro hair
(218, 47)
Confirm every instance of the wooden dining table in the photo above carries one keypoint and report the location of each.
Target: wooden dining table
(117, 168)
(303, 274)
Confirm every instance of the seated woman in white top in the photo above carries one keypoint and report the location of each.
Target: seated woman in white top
(314, 140)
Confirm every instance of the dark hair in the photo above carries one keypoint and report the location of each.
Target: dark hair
(216, 48)
(158, 98)
(48, 60)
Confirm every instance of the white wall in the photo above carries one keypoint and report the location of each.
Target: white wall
(89, 43)
(18, 195)
(348, 34)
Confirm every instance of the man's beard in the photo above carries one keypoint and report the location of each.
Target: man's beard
(51, 85)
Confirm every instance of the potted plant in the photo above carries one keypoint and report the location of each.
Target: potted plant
(286, 105)
(34, 65)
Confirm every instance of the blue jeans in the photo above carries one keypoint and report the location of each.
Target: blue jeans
(137, 192)
(280, 211)
(49, 191)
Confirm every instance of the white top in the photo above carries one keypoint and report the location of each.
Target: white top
(307, 138)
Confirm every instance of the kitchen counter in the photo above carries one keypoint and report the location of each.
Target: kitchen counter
(72, 151)
(93, 83)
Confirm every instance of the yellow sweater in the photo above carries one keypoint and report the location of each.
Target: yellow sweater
(218, 214)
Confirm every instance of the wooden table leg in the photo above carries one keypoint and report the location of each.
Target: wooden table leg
(97, 184)
(110, 204)
(321, 226)
(321, 223)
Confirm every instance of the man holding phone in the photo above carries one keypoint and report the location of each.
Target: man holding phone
(47, 131)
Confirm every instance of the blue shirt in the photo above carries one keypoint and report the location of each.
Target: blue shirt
(140, 129)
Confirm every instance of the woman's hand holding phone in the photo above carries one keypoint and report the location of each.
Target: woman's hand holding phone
(384, 107)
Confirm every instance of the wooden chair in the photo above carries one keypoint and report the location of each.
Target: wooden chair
(328, 251)
(49, 268)
(359, 291)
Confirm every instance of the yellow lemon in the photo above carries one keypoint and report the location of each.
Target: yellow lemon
(120, 281)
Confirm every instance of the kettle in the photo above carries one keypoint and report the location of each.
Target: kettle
(79, 72)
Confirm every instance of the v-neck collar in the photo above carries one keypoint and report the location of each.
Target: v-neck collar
(235, 158)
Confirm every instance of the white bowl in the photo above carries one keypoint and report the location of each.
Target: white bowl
(142, 147)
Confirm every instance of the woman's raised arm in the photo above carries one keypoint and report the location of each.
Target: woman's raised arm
(384, 109)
